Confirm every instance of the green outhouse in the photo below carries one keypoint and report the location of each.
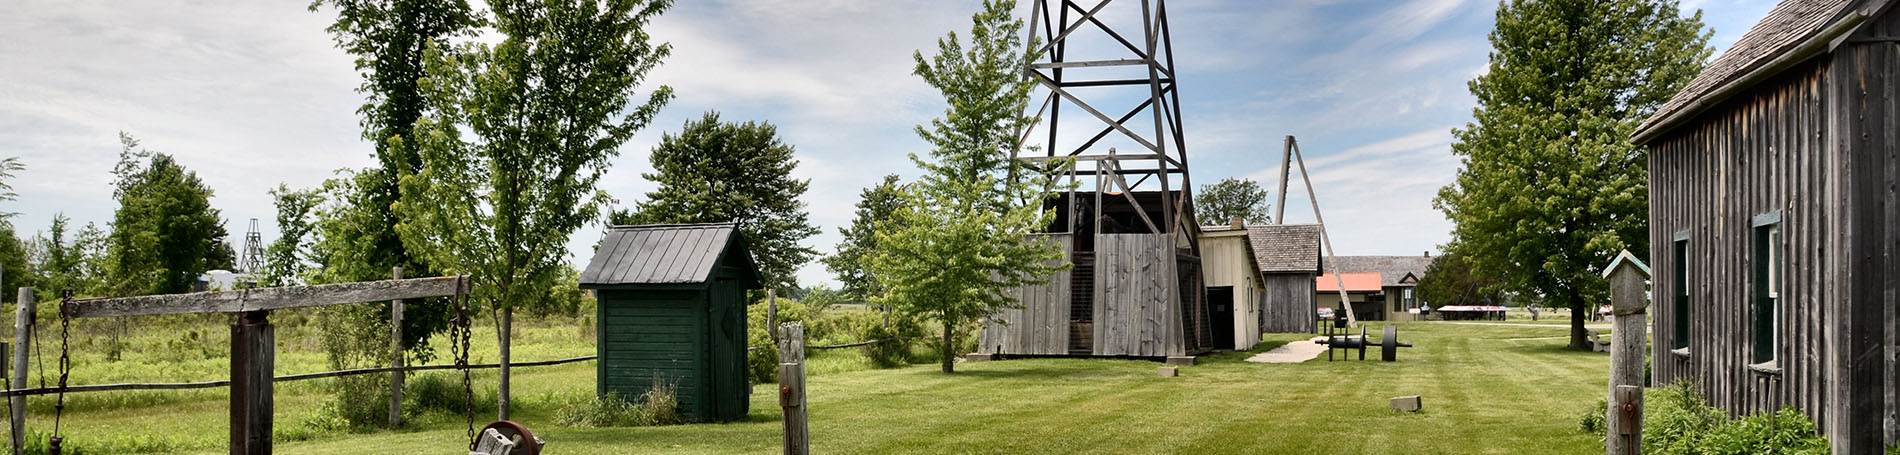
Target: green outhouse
(672, 308)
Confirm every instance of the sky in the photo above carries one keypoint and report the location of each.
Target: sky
(251, 95)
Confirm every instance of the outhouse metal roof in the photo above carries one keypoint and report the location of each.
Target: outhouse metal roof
(663, 254)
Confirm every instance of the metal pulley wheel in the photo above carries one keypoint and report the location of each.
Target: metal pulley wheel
(525, 442)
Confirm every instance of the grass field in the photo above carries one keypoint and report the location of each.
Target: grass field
(1487, 389)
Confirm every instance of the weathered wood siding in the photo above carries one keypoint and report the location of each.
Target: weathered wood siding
(1817, 144)
(1041, 325)
(1137, 310)
(1288, 303)
(1227, 260)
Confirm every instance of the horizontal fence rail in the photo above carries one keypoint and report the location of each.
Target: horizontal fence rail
(294, 377)
(834, 346)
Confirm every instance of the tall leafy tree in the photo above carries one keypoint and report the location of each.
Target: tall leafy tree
(288, 257)
(15, 267)
(62, 260)
(963, 235)
(1451, 281)
(1231, 198)
(876, 205)
(715, 171)
(165, 232)
(388, 39)
(1551, 187)
(517, 138)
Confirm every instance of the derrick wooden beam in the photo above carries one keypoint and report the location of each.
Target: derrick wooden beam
(1113, 82)
(264, 299)
(1056, 87)
(1070, 28)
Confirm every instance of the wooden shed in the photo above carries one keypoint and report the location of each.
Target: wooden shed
(1774, 228)
(1229, 266)
(1289, 259)
(672, 308)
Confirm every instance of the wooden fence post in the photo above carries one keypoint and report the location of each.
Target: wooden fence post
(1628, 302)
(253, 360)
(396, 360)
(22, 341)
(791, 388)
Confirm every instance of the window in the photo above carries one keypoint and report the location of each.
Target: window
(1411, 302)
(1767, 317)
(1681, 314)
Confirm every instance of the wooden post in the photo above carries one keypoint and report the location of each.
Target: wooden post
(771, 312)
(253, 362)
(791, 387)
(1628, 278)
(22, 341)
(395, 360)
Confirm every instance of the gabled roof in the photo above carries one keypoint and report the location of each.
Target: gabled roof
(666, 254)
(1281, 248)
(1788, 30)
(1355, 282)
(1391, 269)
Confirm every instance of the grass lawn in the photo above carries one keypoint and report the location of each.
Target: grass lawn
(1487, 389)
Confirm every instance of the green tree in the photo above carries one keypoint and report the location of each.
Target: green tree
(964, 235)
(288, 257)
(1451, 281)
(516, 141)
(165, 232)
(62, 262)
(15, 268)
(714, 172)
(1551, 187)
(876, 205)
(1230, 198)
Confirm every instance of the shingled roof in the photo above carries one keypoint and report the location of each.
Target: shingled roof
(1282, 248)
(664, 254)
(1391, 269)
(1786, 28)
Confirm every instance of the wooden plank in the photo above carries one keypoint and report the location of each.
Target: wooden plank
(396, 357)
(791, 377)
(264, 299)
(23, 318)
(253, 358)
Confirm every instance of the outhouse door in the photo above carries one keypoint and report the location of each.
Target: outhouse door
(730, 390)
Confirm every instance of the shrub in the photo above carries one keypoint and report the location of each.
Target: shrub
(1593, 420)
(1674, 417)
(1789, 432)
(442, 393)
(1678, 421)
(901, 331)
(599, 411)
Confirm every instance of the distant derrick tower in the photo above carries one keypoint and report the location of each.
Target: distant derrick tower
(1088, 70)
(1107, 97)
(253, 259)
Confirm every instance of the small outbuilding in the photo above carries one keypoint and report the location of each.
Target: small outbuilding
(1289, 259)
(1394, 297)
(672, 308)
(1229, 267)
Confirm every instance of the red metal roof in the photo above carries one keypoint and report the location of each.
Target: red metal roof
(1355, 282)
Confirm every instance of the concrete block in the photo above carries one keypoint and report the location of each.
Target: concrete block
(1186, 361)
(1169, 372)
(1407, 404)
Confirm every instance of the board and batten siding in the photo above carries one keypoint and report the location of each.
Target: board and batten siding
(1288, 303)
(1040, 326)
(1227, 261)
(656, 337)
(1864, 85)
(1137, 300)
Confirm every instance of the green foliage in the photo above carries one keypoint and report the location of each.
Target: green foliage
(65, 262)
(165, 232)
(287, 258)
(1676, 421)
(715, 172)
(442, 393)
(345, 247)
(876, 205)
(1230, 198)
(902, 333)
(1450, 280)
(1551, 187)
(594, 411)
(963, 236)
(1593, 419)
(360, 403)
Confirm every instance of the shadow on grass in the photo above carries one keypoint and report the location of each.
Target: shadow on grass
(1556, 347)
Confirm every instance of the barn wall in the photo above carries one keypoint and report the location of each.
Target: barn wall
(1137, 311)
(1287, 303)
(1865, 88)
(1760, 152)
(1041, 325)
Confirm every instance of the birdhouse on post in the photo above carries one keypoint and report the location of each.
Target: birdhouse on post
(1629, 279)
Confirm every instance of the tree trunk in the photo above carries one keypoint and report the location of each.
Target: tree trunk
(948, 352)
(501, 392)
(1578, 313)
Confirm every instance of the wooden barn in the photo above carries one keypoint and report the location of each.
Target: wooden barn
(1231, 270)
(1774, 224)
(1289, 258)
(672, 308)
